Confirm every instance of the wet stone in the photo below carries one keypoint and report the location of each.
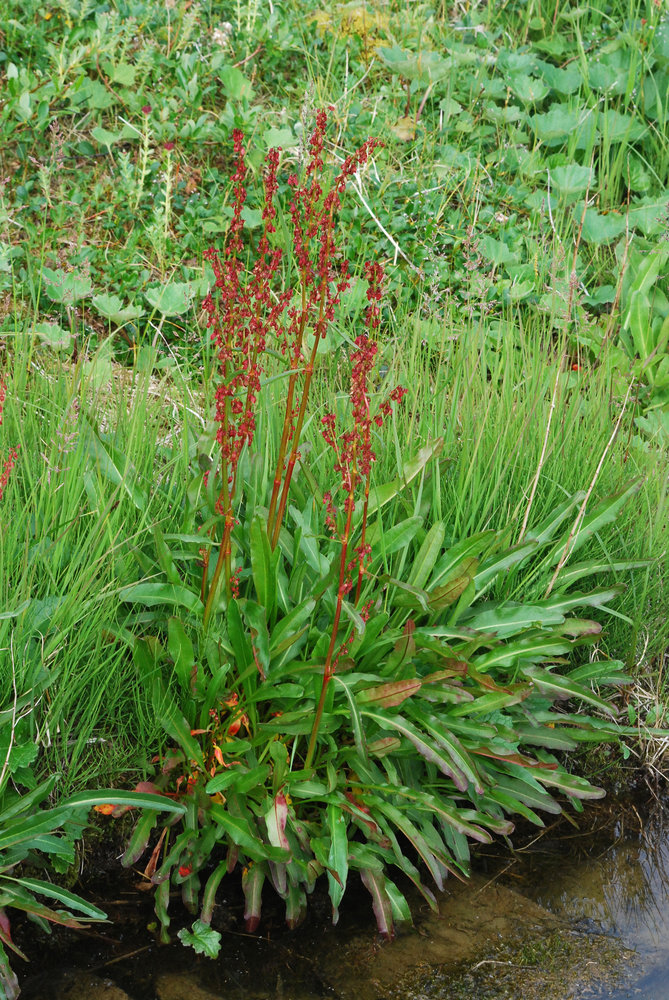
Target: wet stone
(80, 985)
(181, 986)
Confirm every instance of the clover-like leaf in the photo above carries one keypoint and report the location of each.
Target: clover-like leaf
(202, 939)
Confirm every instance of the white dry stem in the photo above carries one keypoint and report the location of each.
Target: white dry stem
(357, 185)
(573, 534)
(542, 457)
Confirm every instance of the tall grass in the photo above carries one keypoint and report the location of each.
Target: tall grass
(69, 531)
(71, 522)
(489, 397)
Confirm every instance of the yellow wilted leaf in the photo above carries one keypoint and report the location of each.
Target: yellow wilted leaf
(353, 18)
(404, 129)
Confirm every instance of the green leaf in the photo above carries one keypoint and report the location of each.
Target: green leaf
(354, 617)
(355, 718)
(105, 137)
(174, 724)
(450, 564)
(427, 555)
(560, 122)
(529, 650)
(288, 630)
(258, 634)
(605, 512)
(382, 905)
(525, 787)
(610, 70)
(597, 598)
(527, 89)
(648, 214)
(426, 66)
(112, 796)
(240, 832)
(564, 81)
(572, 180)
(20, 831)
(165, 560)
(599, 228)
(152, 594)
(54, 336)
(69, 899)
(124, 74)
(113, 308)
(492, 568)
(181, 650)
(618, 127)
(401, 822)
(497, 252)
(235, 84)
(570, 574)
(253, 877)
(66, 287)
(173, 298)
(202, 939)
(112, 465)
(25, 803)
(409, 596)
(282, 138)
(263, 565)
(139, 838)
(507, 618)
(545, 530)
(388, 695)
(460, 758)
(17, 611)
(512, 805)
(427, 750)
(239, 640)
(385, 542)
(381, 495)
(563, 687)
(242, 779)
(601, 672)
(337, 856)
(571, 784)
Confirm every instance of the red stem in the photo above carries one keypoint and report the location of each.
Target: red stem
(329, 669)
(361, 569)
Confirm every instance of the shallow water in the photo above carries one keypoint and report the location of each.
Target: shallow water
(574, 914)
(618, 886)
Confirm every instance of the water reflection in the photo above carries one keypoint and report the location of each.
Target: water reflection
(622, 889)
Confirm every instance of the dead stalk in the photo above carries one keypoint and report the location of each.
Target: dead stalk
(581, 511)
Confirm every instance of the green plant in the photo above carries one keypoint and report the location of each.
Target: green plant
(37, 835)
(29, 828)
(352, 702)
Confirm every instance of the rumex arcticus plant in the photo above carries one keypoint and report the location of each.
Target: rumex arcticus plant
(340, 693)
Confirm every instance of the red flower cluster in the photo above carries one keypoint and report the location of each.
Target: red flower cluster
(14, 452)
(248, 316)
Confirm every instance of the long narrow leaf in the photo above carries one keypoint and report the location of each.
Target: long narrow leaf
(116, 797)
(427, 750)
(61, 895)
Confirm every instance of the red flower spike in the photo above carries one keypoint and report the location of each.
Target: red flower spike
(249, 312)
(7, 469)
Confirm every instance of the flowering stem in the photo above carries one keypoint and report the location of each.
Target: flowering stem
(330, 667)
(223, 562)
(276, 486)
(308, 373)
(361, 569)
